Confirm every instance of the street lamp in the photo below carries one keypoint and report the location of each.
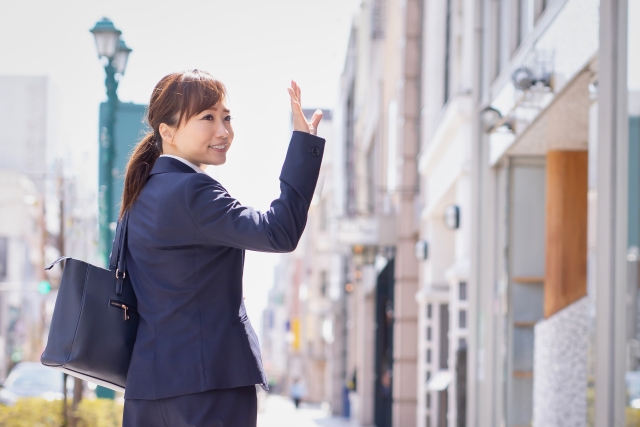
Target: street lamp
(107, 37)
(115, 53)
(121, 56)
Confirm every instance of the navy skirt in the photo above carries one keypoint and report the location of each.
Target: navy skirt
(232, 407)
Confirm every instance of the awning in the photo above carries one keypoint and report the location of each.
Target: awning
(440, 381)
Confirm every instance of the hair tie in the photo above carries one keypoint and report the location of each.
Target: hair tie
(157, 142)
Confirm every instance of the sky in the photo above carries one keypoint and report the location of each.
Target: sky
(254, 46)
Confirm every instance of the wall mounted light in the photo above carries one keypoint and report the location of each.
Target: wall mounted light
(452, 217)
(491, 119)
(524, 78)
(421, 250)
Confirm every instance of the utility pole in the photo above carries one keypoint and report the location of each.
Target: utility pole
(65, 409)
(77, 387)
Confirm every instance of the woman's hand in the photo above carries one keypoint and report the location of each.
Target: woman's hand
(299, 121)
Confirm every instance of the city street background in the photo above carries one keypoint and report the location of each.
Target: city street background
(471, 256)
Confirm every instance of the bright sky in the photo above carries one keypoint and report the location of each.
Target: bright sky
(254, 46)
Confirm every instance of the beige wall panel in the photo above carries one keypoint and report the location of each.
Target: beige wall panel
(404, 414)
(405, 381)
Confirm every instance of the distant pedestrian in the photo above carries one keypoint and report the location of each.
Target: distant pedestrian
(297, 392)
(196, 358)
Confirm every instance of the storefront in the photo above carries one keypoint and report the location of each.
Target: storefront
(555, 339)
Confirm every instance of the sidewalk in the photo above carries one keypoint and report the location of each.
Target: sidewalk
(280, 411)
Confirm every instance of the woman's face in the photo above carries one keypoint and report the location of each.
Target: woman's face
(204, 139)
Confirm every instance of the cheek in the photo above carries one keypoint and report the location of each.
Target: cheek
(200, 133)
(231, 133)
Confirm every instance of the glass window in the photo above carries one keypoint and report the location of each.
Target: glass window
(462, 291)
(428, 355)
(444, 336)
(448, 54)
(429, 333)
(462, 319)
(527, 16)
(428, 311)
(4, 255)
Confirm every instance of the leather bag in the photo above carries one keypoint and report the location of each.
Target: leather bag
(94, 323)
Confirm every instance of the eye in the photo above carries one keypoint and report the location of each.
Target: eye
(228, 118)
(208, 117)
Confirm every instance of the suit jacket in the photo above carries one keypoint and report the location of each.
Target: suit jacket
(186, 241)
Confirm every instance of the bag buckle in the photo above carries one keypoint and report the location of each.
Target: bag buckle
(124, 274)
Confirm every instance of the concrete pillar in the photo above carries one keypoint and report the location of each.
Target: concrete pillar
(366, 345)
(405, 329)
(566, 230)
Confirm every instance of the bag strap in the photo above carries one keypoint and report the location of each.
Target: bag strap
(117, 258)
(62, 258)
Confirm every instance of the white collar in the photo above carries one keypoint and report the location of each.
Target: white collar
(185, 161)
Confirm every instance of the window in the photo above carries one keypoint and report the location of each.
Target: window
(428, 311)
(447, 53)
(428, 355)
(462, 291)
(462, 343)
(371, 179)
(4, 256)
(428, 333)
(428, 404)
(462, 319)
(349, 148)
(428, 375)
(527, 15)
(323, 283)
(444, 336)
(377, 19)
(392, 146)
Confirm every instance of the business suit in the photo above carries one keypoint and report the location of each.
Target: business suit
(185, 257)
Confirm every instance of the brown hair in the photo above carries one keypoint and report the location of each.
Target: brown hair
(177, 97)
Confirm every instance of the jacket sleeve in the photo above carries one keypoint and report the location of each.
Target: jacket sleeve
(224, 221)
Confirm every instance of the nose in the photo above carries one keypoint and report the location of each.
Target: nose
(221, 131)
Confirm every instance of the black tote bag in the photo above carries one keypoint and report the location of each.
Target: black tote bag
(94, 321)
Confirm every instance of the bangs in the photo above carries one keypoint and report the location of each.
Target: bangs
(198, 91)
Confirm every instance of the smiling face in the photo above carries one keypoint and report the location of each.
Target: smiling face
(203, 139)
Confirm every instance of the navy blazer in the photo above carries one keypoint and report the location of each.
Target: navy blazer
(186, 242)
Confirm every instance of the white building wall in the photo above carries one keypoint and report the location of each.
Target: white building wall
(23, 118)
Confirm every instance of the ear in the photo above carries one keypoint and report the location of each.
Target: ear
(167, 133)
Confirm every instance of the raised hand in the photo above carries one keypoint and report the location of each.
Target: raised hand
(300, 123)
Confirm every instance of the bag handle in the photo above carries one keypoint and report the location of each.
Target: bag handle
(117, 258)
(62, 258)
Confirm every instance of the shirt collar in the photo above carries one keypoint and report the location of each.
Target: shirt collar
(185, 161)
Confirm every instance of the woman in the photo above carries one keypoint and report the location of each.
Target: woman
(196, 359)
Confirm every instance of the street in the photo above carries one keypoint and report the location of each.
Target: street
(279, 411)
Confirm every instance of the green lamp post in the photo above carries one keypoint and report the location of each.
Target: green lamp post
(115, 53)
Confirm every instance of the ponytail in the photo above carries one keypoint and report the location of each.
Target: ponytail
(139, 167)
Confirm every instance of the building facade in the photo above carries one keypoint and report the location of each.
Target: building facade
(482, 218)
(23, 237)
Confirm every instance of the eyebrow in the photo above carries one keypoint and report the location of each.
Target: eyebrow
(226, 110)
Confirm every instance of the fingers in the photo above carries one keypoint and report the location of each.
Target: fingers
(297, 91)
(315, 120)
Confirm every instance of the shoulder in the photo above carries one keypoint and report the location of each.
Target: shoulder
(200, 188)
(197, 181)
